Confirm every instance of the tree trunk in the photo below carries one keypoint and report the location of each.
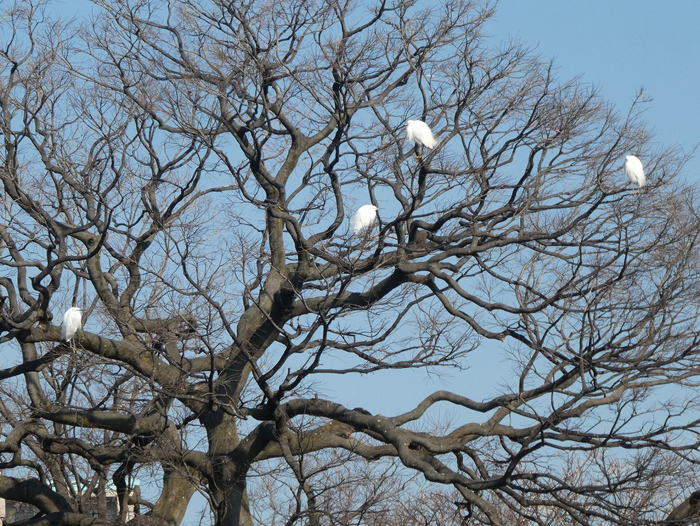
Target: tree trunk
(234, 509)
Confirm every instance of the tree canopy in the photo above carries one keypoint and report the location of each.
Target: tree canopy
(185, 172)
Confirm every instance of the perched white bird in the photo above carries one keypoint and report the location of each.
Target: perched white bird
(635, 171)
(420, 133)
(72, 322)
(364, 219)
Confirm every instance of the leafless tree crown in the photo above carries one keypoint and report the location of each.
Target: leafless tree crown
(185, 172)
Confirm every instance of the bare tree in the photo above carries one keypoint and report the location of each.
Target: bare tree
(184, 170)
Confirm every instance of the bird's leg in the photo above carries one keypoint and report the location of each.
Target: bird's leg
(418, 153)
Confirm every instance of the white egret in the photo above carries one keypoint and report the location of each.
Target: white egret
(364, 219)
(72, 322)
(635, 171)
(420, 133)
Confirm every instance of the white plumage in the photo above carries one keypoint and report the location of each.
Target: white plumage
(72, 322)
(364, 219)
(420, 133)
(635, 170)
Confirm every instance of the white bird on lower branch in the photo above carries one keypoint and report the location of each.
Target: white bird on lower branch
(364, 219)
(72, 323)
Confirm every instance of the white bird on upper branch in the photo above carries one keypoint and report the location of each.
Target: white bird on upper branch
(364, 219)
(635, 171)
(421, 134)
(72, 323)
